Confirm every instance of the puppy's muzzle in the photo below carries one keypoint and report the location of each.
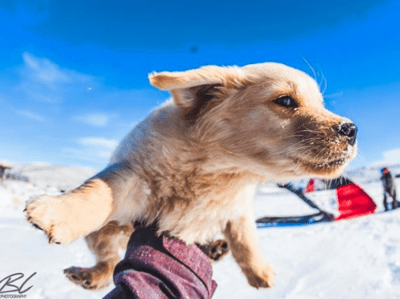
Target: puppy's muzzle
(348, 130)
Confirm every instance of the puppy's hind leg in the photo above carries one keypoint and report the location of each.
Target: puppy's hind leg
(66, 217)
(104, 244)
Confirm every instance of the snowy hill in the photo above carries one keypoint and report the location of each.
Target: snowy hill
(347, 259)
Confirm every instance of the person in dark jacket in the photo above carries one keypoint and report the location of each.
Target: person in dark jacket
(389, 188)
(162, 267)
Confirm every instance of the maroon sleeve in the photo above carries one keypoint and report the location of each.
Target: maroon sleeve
(158, 267)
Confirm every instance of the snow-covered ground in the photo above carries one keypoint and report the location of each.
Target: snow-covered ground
(353, 259)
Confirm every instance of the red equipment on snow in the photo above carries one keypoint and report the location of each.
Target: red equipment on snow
(353, 202)
(310, 187)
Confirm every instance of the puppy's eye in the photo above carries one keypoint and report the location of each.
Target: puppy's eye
(287, 102)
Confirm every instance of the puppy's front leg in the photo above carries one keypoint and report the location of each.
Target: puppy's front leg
(243, 242)
(64, 218)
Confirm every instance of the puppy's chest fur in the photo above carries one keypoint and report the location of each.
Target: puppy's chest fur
(195, 206)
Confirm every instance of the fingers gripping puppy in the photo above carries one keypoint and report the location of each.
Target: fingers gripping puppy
(193, 164)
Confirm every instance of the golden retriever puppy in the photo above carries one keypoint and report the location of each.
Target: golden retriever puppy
(192, 166)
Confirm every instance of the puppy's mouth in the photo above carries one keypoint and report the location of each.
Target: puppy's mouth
(322, 168)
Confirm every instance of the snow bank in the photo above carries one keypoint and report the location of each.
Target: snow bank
(348, 259)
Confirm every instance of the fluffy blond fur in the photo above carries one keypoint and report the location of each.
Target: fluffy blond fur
(192, 166)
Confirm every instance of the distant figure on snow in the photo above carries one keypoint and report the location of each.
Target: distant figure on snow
(3, 168)
(389, 188)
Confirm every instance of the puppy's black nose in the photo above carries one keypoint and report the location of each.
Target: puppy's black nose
(348, 130)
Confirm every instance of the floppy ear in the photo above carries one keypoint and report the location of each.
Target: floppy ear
(194, 90)
(183, 85)
(178, 80)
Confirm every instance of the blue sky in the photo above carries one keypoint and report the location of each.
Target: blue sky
(73, 74)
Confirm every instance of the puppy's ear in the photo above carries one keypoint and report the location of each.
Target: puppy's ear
(194, 91)
(179, 80)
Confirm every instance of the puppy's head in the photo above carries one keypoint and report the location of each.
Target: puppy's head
(269, 115)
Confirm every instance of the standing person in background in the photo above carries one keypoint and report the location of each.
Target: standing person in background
(3, 169)
(389, 188)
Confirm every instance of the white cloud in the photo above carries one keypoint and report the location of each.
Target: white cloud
(93, 149)
(30, 115)
(45, 81)
(83, 154)
(44, 70)
(105, 154)
(94, 119)
(99, 142)
(40, 90)
(390, 157)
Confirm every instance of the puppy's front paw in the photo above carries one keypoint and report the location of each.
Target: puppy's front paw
(261, 277)
(45, 213)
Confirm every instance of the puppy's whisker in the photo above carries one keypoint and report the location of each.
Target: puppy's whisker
(323, 80)
(311, 68)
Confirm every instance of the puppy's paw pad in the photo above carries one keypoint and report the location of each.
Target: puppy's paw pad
(80, 276)
(218, 250)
